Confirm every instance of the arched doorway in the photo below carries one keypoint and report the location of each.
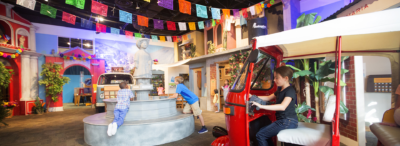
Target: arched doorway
(12, 92)
(77, 75)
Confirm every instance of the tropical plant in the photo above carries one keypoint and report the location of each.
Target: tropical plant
(3, 113)
(321, 74)
(300, 109)
(53, 80)
(192, 50)
(305, 20)
(38, 107)
(5, 75)
(211, 47)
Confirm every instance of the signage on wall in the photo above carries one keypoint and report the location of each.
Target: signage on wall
(257, 27)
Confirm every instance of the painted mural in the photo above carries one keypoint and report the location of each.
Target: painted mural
(121, 54)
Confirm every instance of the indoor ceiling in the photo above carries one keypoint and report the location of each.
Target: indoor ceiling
(151, 10)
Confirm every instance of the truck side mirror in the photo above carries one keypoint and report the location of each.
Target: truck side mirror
(253, 57)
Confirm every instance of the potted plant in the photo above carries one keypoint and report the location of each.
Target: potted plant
(38, 107)
(53, 80)
(155, 61)
(3, 113)
(10, 107)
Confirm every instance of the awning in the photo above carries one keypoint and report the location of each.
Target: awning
(365, 32)
(205, 57)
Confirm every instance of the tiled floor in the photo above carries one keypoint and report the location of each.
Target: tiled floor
(66, 129)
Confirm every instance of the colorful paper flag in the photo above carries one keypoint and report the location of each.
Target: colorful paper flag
(30, 4)
(174, 39)
(129, 34)
(201, 11)
(77, 3)
(192, 25)
(169, 4)
(125, 17)
(244, 12)
(48, 11)
(162, 38)
(101, 28)
(212, 22)
(252, 10)
(158, 24)
(147, 0)
(179, 38)
(262, 5)
(216, 13)
(185, 37)
(86, 23)
(227, 13)
(185, 7)
(243, 21)
(200, 24)
(182, 26)
(169, 39)
(99, 8)
(147, 36)
(258, 8)
(189, 36)
(171, 25)
(236, 13)
(143, 21)
(208, 23)
(154, 37)
(115, 31)
(69, 18)
(138, 35)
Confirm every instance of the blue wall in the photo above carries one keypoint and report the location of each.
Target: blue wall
(68, 89)
(45, 43)
(42, 91)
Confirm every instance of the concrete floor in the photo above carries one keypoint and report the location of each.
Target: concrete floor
(66, 129)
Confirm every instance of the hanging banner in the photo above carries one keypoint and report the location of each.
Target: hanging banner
(77, 3)
(236, 13)
(125, 17)
(258, 8)
(69, 18)
(128, 34)
(86, 23)
(179, 39)
(212, 22)
(243, 21)
(174, 39)
(244, 12)
(138, 35)
(154, 37)
(252, 10)
(182, 26)
(99, 8)
(101, 28)
(208, 23)
(185, 7)
(169, 4)
(162, 38)
(143, 21)
(227, 13)
(30, 4)
(158, 24)
(257, 27)
(171, 25)
(201, 11)
(48, 11)
(216, 13)
(169, 39)
(192, 25)
(200, 24)
(115, 31)
(147, 0)
(147, 36)
(184, 37)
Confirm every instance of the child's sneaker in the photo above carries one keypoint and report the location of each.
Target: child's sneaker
(203, 130)
(114, 128)
(109, 133)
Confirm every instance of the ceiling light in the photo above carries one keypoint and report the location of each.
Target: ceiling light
(46, 0)
(68, 43)
(137, 6)
(101, 18)
(158, 1)
(87, 45)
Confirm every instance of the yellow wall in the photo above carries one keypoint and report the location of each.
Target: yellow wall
(198, 40)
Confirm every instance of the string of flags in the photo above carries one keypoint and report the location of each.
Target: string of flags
(77, 57)
(184, 7)
(18, 51)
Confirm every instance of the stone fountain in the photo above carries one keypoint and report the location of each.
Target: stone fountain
(148, 121)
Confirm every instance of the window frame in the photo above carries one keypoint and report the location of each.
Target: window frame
(272, 82)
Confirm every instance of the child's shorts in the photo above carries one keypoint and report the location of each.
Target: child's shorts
(194, 107)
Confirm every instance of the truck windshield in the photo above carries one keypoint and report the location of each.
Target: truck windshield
(114, 79)
(263, 73)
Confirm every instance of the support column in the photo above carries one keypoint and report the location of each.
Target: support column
(34, 77)
(32, 39)
(25, 78)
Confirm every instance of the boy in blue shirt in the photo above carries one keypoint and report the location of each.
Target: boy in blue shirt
(124, 98)
(192, 102)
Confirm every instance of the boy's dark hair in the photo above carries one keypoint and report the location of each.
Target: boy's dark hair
(285, 71)
(215, 91)
(122, 85)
